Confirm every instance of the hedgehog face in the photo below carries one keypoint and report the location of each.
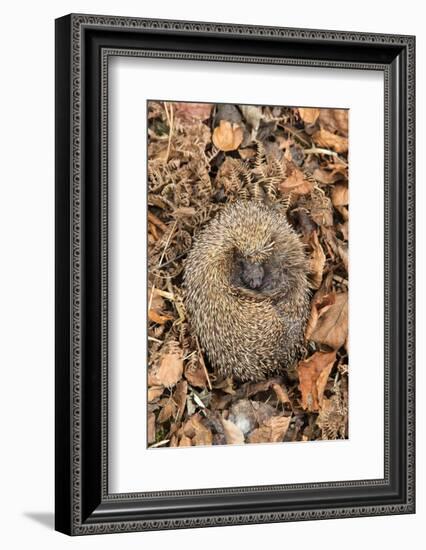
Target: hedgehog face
(249, 269)
(252, 273)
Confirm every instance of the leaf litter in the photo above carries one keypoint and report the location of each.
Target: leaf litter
(200, 157)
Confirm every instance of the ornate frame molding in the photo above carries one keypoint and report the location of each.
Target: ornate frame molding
(73, 503)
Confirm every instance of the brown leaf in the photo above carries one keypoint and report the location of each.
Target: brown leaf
(247, 153)
(329, 177)
(226, 385)
(340, 195)
(156, 317)
(152, 377)
(296, 183)
(309, 115)
(197, 431)
(184, 212)
(193, 111)
(171, 366)
(334, 120)
(227, 136)
(179, 397)
(155, 312)
(313, 374)
(151, 428)
(281, 393)
(233, 434)
(263, 411)
(343, 253)
(321, 212)
(156, 221)
(168, 410)
(185, 441)
(154, 392)
(344, 229)
(324, 138)
(316, 262)
(320, 304)
(196, 374)
(272, 431)
(344, 212)
(332, 327)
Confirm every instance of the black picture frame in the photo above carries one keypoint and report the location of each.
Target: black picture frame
(83, 46)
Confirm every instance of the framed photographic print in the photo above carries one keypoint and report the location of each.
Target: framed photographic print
(234, 274)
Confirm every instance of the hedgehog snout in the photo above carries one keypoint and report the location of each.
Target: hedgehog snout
(252, 274)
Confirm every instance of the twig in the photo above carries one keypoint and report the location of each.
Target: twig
(296, 134)
(168, 295)
(321, 151)
(153, 219)
(170, 120)
(159, 264)
(155, 339)
(159, 444)
(203, 364)
(151, 295)
(340, 280)
(167, 244)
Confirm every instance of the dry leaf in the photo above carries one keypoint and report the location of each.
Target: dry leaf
(332, 327)
(156, 221)
(281, 393)
(340, 195)
(272, 431)
(309, 115)
(196, 375)
(171, 366)
(322, 212)
(154, 392)
(247, 153)
(184, 212)
(233, 434)
(343, 253)
(151, 428)
(197, 431)
(158, 318)
(226, 385)
(344, 230)
(167, 411)
(324, 138)
(193, 111)
(330, 176)
(316, 262)
(296, 183)
(320, 304)
(185, 441)
(334, 120)
(263, 411)
(227, 136)
(313, 374)
(179, 397)
(155, 312)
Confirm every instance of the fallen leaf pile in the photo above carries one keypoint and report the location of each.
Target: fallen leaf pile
(200, 157)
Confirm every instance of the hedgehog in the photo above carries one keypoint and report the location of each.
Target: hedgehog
(246, 291)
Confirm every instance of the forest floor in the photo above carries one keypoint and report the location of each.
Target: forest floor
(201, 157)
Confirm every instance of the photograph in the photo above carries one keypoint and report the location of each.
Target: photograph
(248, 286)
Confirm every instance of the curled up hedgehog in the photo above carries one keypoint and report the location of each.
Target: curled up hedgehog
(246, 291)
